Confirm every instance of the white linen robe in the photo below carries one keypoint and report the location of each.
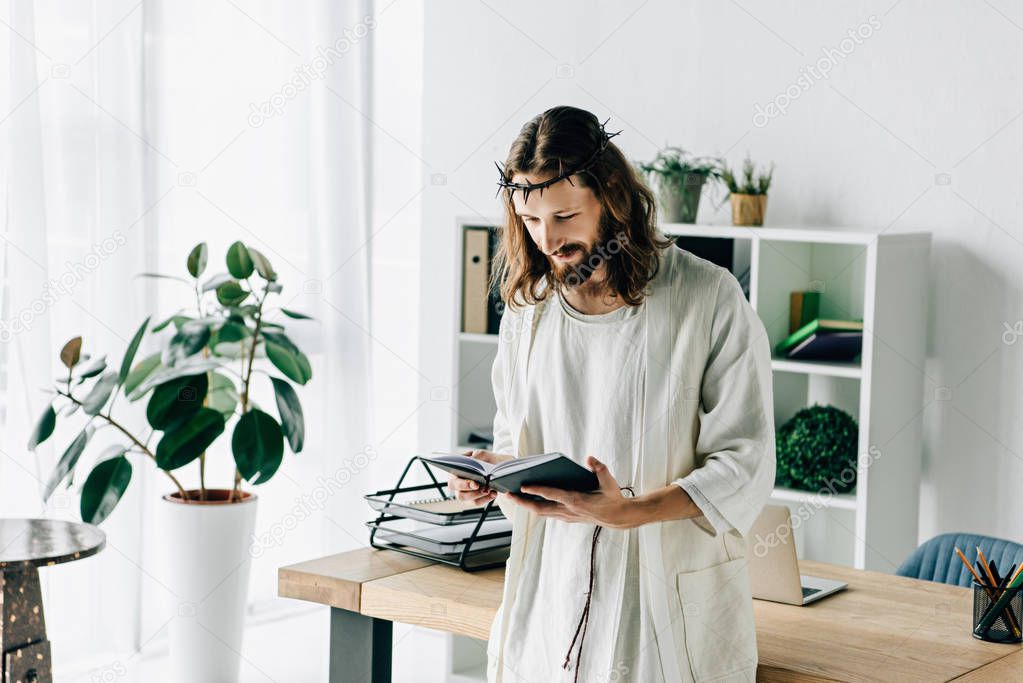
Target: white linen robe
(708, 425)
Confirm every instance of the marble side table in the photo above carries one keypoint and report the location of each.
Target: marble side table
(26, 545)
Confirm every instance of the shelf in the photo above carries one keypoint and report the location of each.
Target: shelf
(817, 367)
(863, 273)
(478, 338)
(834, 234)
(828, 235)
(842, 501)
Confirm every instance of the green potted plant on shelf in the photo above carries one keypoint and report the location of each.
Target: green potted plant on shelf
(748, 193)
(678, 179)
(816, 451)
(197, 389)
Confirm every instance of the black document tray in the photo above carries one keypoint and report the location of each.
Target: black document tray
(476, 551)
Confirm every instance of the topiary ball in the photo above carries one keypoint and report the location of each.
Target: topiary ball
(816, 450)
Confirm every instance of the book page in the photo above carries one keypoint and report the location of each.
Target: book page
(463, 461)
(523, 463)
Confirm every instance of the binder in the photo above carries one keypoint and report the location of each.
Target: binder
(475, 276)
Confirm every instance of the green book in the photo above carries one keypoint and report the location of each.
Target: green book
(804, 307)
(820, 326)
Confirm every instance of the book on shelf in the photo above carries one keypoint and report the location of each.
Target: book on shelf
(824, 339)
(719, 251)
(547, 469)
(804, 308)
(495, 306)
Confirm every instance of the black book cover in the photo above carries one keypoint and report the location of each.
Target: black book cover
(561, 472)
(495, 307)
(832, 346)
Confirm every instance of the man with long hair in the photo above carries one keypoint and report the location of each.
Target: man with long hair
(648, 365)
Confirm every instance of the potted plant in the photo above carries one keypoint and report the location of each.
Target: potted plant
(679, 179)
(816, 450)
(748, 193)
(196, 389)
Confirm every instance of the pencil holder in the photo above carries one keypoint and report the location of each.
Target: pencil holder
(1007, 626)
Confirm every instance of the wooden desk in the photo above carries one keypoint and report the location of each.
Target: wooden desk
(881, 628)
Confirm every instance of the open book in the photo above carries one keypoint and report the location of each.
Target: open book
(548, 469)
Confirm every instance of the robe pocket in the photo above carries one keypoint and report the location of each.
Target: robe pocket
(717, 615)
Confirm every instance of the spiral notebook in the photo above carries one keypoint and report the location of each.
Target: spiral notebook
(435, 510)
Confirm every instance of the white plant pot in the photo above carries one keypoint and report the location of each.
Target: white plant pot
(207, 560)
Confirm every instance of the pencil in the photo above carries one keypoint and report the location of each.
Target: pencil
(1020, 569)
(987, 567)
(970, 567)
(986, 574)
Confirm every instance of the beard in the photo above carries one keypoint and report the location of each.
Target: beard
(576, 273)
(588, 258)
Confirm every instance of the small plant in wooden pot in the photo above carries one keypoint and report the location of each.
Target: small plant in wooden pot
(197, 390)
(748, 193)
(678, 179)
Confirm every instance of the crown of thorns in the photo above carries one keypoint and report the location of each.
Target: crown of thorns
(565, 174)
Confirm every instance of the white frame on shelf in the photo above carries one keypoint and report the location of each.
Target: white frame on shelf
(880, 517)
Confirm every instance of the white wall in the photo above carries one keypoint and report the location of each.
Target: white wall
(397, 187)
(918, 126)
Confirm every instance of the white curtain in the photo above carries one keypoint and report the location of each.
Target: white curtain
(71, 109)
(130, 132)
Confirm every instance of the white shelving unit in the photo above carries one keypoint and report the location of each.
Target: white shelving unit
(879, 276)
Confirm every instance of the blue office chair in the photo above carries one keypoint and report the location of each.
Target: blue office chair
(935, 560)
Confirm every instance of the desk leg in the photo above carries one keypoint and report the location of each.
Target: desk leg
(360, 648)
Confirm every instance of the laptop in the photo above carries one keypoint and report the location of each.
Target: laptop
(773, 566)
